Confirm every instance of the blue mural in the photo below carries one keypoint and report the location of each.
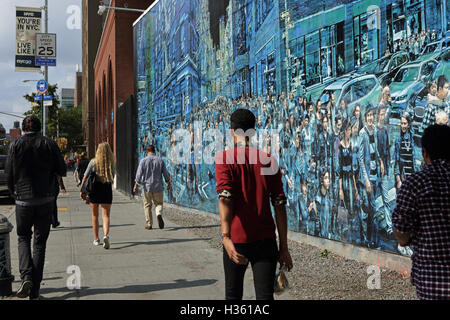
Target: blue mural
(344, 83)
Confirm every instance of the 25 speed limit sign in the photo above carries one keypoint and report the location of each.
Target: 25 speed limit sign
(46, 49)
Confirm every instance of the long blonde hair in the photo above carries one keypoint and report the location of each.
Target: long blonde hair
(105, 164)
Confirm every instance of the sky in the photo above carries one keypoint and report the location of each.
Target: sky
(64, 20)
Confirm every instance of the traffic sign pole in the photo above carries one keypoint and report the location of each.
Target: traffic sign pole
(44, 132)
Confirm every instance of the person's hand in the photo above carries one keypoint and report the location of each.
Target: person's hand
(63, 190)
(83, 195)
(399, 184)
(235, 256)
(382, 169)
(135, 190)
(341, 194)
(285, 259)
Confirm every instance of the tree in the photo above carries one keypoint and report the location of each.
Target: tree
(70, 124)
(70, 120)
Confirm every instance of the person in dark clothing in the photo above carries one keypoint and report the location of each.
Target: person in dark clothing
(33, 163)
(82, 166)
(60, 186)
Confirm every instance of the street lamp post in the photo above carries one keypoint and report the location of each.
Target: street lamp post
(45, 116)
(102, 8)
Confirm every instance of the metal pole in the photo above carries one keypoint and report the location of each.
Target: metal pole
(45, 70)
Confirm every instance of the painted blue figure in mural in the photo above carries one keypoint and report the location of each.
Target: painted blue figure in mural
(369, 166)
(322, 204)
(404, 152)
(347, 183)
(384, 150)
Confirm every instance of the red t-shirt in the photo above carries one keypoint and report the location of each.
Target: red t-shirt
(253, 182)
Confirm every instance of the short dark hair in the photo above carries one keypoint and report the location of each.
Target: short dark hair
(442, 80)
(151, 149)
(31, 123)
(243, 119)
(436, 141)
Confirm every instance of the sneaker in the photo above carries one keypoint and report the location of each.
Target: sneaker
(96, 242)
(106, 242)
(160, 222)
(148, 227)
(56, 225)
(25, 289)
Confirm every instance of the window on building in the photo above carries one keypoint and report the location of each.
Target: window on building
(317, 56)
(366, 43)
(312, 45)
(262, 9)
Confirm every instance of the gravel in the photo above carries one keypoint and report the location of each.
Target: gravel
(317, 274)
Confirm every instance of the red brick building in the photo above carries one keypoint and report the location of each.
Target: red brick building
(15, 133)
(114, 68)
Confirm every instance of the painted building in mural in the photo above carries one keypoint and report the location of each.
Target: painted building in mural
(344, 83)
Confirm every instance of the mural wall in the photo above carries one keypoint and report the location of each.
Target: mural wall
(345, 83)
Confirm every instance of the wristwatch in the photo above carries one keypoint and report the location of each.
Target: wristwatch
(224, 235)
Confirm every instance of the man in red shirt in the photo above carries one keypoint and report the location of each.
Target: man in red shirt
(247, 181)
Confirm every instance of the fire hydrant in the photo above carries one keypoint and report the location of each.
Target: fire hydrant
(6, 278)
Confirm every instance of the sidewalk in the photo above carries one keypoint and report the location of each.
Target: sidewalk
(167, 264)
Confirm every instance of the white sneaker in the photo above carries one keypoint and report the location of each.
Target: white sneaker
(106, 242)
(96, 242)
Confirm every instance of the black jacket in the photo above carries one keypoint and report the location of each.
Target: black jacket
(32, 165)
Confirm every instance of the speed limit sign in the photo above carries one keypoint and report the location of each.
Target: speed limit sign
(46, 49)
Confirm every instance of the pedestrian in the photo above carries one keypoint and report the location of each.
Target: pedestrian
(59, 186)
(82, 166)
(149, 175)
(104, 167)
(421, 217)
(245, 188)
(33, 163)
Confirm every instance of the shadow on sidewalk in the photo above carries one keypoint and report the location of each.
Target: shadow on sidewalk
(136, 289)
(152, 242)
(193, 227)
(62, 228)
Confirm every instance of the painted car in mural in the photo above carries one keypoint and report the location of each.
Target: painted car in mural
(316, 77)
(386, 67)
(410, 80)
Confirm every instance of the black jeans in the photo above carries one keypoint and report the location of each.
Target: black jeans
(31, 266)
(263, 256)
(55, 212)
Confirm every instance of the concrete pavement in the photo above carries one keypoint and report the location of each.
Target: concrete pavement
(167, 264)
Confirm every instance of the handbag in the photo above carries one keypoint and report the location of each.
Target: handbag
(89, 184)
(281, 283)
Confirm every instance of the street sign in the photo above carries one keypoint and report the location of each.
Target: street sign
(46, 49)
(48, 103)
(42, 86)
(48, 98)
(37, 98)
